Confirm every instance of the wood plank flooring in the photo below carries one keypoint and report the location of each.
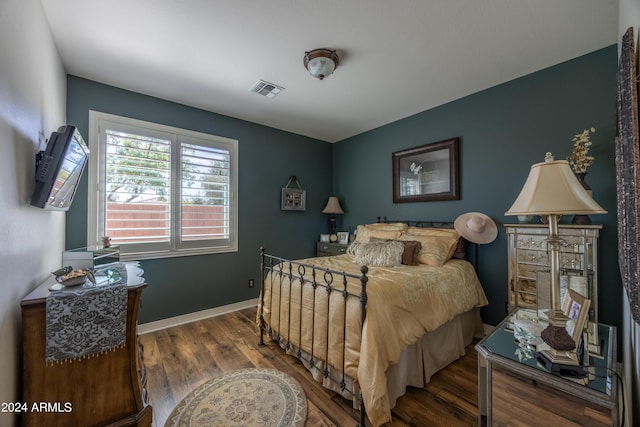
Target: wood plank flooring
(181, 358)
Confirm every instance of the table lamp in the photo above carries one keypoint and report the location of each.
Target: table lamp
(333, 208)
(552, 190)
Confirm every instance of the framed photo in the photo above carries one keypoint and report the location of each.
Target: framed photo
(293, 199)
(426, 173)
(576, 308)
(324, 238)
(343, 237)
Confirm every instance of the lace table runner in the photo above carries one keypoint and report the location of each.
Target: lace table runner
(88, 320)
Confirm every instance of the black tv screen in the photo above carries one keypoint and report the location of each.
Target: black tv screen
(59, 168)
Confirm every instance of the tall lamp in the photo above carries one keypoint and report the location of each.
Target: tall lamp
(552, 190)
(333, 208)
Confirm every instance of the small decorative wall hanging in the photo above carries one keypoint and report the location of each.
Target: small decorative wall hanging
(293, 199)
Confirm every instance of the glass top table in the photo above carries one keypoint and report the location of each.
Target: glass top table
(600, 351)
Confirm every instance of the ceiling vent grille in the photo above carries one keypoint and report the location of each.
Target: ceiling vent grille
(267, 89)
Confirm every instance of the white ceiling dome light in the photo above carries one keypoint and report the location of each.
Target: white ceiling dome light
(321, 62)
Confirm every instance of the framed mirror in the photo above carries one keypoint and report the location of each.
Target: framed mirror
(426, 173)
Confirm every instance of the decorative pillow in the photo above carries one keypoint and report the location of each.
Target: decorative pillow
(430, 231)
(388, 226)
(379, 254)
(436, 250)
(411, 252)
(364, 234)
(353, 248)
(460, 250)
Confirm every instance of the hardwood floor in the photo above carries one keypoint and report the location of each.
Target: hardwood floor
(181, 358)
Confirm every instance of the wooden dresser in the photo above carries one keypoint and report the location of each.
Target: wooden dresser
(103, 390)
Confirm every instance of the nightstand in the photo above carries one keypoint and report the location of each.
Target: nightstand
(330, 249)
(513, 386)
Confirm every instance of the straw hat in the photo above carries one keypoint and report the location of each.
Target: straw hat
(476, 227)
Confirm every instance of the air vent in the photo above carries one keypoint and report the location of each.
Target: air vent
(267, 89)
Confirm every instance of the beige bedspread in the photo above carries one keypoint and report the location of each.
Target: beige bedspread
(404, 303)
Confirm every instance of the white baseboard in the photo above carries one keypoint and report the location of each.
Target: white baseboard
(158, 325)
(192, 317)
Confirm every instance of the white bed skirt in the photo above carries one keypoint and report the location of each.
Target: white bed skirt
(433, 352)
(417, 363)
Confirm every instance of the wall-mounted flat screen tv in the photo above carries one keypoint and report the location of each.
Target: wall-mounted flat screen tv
(59, 168)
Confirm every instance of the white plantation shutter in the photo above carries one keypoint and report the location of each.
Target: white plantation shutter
(161, 191)
(205, 188)
(138, 188)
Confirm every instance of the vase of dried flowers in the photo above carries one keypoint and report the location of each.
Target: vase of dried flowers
(579, 162)
(581, 179)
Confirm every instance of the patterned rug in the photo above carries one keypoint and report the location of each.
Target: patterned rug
(244, 398)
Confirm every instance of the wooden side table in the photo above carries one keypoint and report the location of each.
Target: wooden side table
(330, 249)
(102, 390)
(513, 386)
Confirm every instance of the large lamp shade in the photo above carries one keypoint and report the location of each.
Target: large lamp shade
(553, 189)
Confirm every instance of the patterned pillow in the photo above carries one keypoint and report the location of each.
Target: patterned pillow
(379, 254)
(431, 231)
(409, 254)
(364, 234)
(388, 226)
(436, 250)
(353, 248)
(460, 251)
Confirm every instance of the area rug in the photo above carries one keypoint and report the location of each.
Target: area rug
(244, 398)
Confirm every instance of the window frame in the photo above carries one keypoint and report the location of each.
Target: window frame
(178, 136)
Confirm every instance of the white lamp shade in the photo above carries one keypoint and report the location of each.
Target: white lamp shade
(333, 206)
(552, 188)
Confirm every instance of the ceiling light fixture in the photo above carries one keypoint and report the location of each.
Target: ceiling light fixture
(321, 62)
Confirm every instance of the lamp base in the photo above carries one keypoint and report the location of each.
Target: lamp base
(561, 358)
(332, 224)
(568, 363)
(556, 334)
(558, 368)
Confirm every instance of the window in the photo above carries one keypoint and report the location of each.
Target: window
(160, 191)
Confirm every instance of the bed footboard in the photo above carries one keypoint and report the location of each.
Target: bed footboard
(280, 274)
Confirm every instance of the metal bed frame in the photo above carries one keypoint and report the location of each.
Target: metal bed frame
(320, 277)
(331, 281)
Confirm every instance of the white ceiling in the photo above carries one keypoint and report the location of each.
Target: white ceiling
(397, 57)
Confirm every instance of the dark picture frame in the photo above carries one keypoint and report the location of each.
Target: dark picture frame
(427, 173)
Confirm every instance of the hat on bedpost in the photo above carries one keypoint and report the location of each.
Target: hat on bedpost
(476, 227)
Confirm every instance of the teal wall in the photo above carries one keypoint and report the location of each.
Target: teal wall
(267, 158)
(503, 131)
